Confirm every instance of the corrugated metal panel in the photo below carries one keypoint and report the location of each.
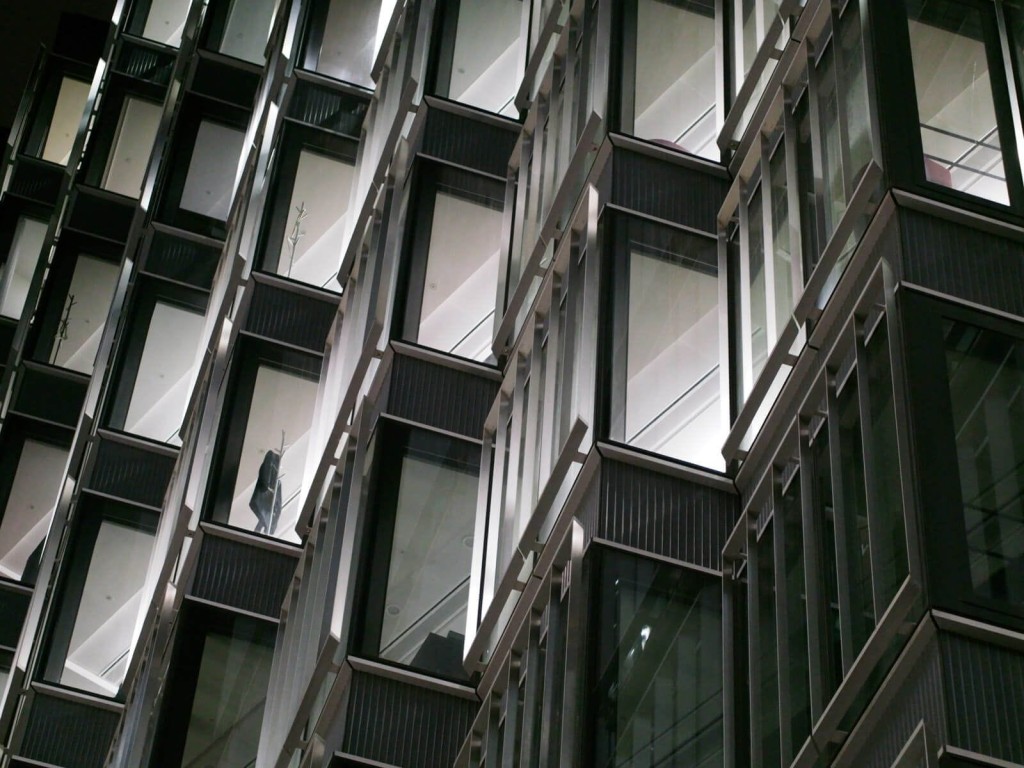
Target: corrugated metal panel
(664, 515)
(472, 143)
(405, 725)
(101, 216)
(919, 698)
(66, 733)
(441, 397)
(142, 62)
(36, 180)
(326, 108)
(48, 395)
(963, 262)
(185, 261)
(130, 472)
(243, 575)
(13, 607)
(985, 687)
(290, 317)
(672, 192)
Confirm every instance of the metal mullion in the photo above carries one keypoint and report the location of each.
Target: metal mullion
(1015, 88)
(812, 587)
(509, 526)
(753, 638)
(871, 487)
(817, 146)
(551, 664)
(782, 618)
(496, 511)
(796, 244)
(510, 701)
(548, 427)
(532, 419)
(533, 679)
(842, 564)
(574, 648)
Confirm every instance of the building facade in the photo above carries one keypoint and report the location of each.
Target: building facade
(516, 383)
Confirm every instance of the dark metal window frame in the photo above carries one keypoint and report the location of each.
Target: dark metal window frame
(41, 116)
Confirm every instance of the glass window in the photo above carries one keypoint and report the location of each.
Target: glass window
(484, 67)
(422, 551)
(165, 21)
(26, 248)
(102, 598)
(793, 632)
(955, 104)
(269, 461)
(673, 78)
(313, 239)
(666, 387)
(759, 342)
(454, 282)
(782, 251)
(28, 509)
(133, 144)
(342, 40)
(246, 29)
(766, 666)
(83, 315)
(210, 180)
(230, 694)
(64, 121)
(158, 366)
(985, 370)
(655, 687)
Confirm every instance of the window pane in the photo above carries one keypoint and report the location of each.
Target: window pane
(84, 314)
(312, 244)
(805, 181)
(67, 114)
(672, 353)
(890, 555)
(767, 668)
(166, 21)
(273, 456)
(795, 630)
(26, 247)
(111, 600)
(231, 691)
(758, 300)
(954, 99)
(247, 29)
(674, 89)
(656, 688)
(164, 379)
(485, 64)
(828, 637)
(210, 180)
(833, 187)
(461, 277)
(854, 84)
(29, 509)
(132, 146)
(427, 592)
(347, 46)
(782, 248)
(986, 384)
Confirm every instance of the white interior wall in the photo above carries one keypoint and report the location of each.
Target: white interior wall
(210, 180)
(92, 287)
(485, 65)
(166, 21)
(133, 144)
(248, 29)
(165, 375)
(26, 247)
(67, 114)
(349, 44)
(30, 506)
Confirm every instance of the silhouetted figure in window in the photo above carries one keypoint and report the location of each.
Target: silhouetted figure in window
(266, 496)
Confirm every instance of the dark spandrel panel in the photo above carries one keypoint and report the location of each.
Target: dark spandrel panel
(36, 180)
(243, 576)
(143, 62)
(476, 144)
(50, 396)
(668, 191)
(400, 724)
(100, 215)
(664, 515)
(962, 261)
(327, 108)
(81, 37)
(13, 607)
(67, 733)
(130, 472)
(181, 260)
(225, 82)
(441, 397)
(290, 317)
(984, 718)
(7, 328)
(918, 698)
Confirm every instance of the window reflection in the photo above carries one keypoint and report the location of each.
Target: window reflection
(165, 21)
(342, 40)
(83, 316)
(64, 121)
(986, 384)
(656, 683)
(17, 271)
(955, 104)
